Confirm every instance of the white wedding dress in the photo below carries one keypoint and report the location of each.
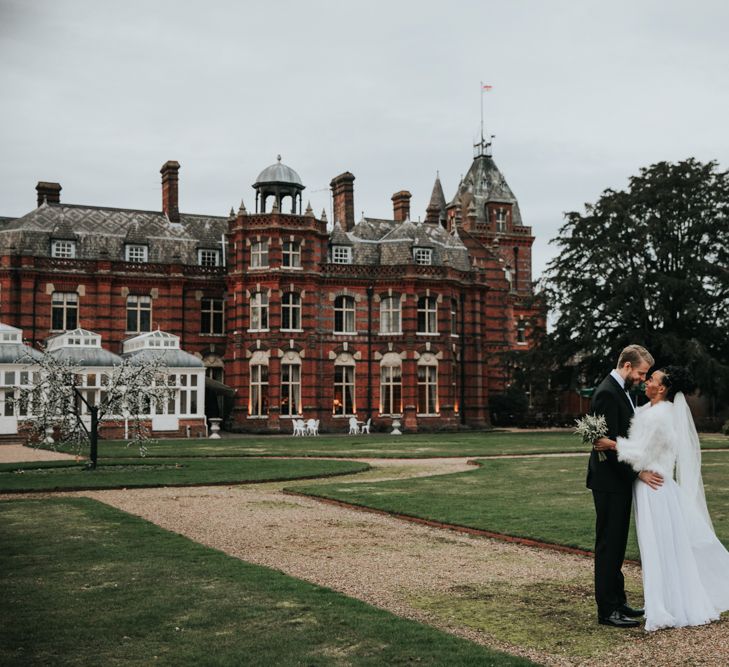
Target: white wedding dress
(685, 567)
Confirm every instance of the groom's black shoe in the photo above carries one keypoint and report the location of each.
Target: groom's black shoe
(630, 612)
(617, 620)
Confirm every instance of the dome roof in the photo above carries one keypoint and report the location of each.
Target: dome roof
(278, 173)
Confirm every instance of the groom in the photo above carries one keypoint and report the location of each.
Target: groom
(611, 483)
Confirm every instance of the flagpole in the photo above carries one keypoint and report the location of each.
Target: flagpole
(482, 114)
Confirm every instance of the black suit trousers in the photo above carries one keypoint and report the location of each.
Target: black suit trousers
(611, 530)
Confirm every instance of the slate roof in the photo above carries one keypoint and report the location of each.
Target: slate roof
(102, 231)
(482, 184)
(376, 241)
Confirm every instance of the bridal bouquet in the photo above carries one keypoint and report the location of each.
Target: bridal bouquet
(591, 428)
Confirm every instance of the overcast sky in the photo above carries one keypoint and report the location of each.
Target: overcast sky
(97, 95)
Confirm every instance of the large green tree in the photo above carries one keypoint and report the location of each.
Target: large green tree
(647, 265)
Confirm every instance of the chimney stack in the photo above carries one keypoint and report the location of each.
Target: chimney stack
(401, 205)
(170, 178)
(343, 193)
(48, 192)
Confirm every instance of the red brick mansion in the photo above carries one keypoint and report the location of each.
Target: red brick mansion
(388, 319)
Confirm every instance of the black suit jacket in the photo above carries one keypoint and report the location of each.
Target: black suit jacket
(613, 403)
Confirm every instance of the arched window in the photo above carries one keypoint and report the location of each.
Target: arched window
(521, 332)
(391, 384)
(258, 396)
(390, 319)
(291, 385)
(427, 315)
(290, 312)
(344, 397)
(259, 312)
(428, 385)
(344, 315)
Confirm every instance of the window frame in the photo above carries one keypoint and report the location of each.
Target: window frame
(291, 256)
(341, 254)
(290, 388)
(135, 305)
(427, 319)
(65, 303)
(390, 389)
(214, 316)
(343, 313)
(387, 315)
(57, 249)
(423, 256)
(259, 304)
(204, 254)
(259, 255)
(258, 405)
(294, 310)
(427, 394)
(345, 390)
(131, 248)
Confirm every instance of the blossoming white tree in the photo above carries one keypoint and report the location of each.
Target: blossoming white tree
(62, 408)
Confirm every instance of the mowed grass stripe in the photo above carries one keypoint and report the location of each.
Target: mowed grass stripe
(377, 445)
(86, 584)
(543, 499)
(152, 472)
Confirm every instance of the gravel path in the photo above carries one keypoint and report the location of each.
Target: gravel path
(387, 562)
(21, 454)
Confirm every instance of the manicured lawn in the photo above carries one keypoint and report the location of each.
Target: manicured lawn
(540, 498)
(419, 445)
(86, 584)
(60, 475)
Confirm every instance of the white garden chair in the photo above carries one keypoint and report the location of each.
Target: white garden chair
(365, 428)
(299, 427)
(353, 426)
(312, 427)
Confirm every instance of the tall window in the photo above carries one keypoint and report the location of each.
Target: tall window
(521, 332)
(136, 253)
(341, 254)
(139, 313)
(344, 315)
(259, 390)
(454, 317)
(344, 386)
(391, 386)
(291, 254)
(428, 386)
(65, 249)
(259, 312)
(291, 388)
(259, 254)
(64, 311)
(291, 312)
(500, 219)
(211, 316)
(427, 314)
(390, 315)
(208, 257)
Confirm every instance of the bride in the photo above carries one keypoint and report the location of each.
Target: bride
(684, 565)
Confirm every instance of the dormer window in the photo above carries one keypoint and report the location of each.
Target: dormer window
(500, 219)
(135, 253)
(341, 254)
(208, 257)
(423, 255)
(63, 249)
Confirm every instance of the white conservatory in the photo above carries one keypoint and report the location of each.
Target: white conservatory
(180, 413)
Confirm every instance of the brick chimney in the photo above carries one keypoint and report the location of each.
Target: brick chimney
(48, 192)
(170, 178)
(401, 205)
(343, 193)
